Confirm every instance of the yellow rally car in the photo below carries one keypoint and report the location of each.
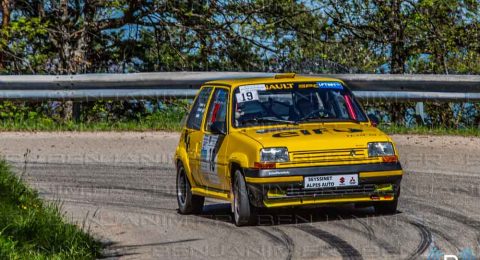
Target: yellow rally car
(283, 141)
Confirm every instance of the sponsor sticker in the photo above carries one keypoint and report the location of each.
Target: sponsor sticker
(330, 181)
(273, 173)
(249, 92)
(280, 86)
(330, 85)
(247, 96)
(209, 158)
(307, 85)
(247, 88)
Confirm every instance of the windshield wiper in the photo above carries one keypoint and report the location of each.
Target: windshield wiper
(258, 120)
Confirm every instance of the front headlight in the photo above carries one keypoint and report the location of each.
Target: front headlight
(380, 149)
(275, 154)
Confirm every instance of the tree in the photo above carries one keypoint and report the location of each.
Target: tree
(426, 36)
(393, 36)
(6, 5)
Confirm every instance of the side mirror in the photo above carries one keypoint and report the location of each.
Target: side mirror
(218, 128)
(373, 119)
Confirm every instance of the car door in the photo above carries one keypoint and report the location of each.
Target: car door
(213, 165)
(193, 133)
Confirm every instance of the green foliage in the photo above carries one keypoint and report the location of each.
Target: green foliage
(96, 116)
(426, 130)
(31, 229)
(396, 36)
(434, 36)
(23, 45)
(167, 115)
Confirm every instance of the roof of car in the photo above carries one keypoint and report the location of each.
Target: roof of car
(278, 78)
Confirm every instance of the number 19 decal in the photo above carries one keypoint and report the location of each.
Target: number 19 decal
(247, 96)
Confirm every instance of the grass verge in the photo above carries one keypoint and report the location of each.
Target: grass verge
(172, 122)
(157, 121)
(32, 229)
(424, 130)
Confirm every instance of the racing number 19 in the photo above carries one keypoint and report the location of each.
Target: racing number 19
(247, 96)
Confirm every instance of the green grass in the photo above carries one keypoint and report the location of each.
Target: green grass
(424, 130)
(157, 121)
(32, 229)
(172, 122)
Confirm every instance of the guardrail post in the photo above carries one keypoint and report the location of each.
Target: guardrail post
(420, 113)
(76, 111)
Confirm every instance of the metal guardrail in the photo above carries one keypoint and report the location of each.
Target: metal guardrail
(88, 87)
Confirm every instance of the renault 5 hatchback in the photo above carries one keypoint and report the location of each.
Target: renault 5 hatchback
(283, 141)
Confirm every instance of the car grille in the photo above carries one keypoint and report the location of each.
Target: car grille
(327, 156)
(365, 189)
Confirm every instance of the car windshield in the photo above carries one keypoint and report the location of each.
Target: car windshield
(270, 104)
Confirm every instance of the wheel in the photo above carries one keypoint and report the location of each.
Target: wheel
(187, 202)
(243, 211)
(387, 208)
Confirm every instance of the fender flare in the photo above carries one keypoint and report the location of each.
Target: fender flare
(182, 157)
(238, 158)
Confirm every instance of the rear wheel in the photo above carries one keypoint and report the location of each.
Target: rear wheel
(243, 211)
(187, 202)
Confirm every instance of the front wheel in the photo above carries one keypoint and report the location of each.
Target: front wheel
(187, 202)
(386, 208)
(243, 211)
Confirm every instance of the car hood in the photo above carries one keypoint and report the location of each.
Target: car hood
(326, 136)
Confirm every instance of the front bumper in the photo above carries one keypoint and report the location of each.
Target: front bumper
(284, 187)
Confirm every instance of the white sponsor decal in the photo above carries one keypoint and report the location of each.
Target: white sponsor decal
(330, 181)
(249, 93)
(278, 173)
(247, 96)
(252, 88)
(208, 158)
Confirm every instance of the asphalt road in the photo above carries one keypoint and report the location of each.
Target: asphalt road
(121, 187)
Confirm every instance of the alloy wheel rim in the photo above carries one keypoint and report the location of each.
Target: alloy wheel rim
(236, 202)
(182, 188)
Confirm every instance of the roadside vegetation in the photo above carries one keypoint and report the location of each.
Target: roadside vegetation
(425, 130)
(33, 229)
(161, 121)
(143, 115)
(167, 115)
(320, 36)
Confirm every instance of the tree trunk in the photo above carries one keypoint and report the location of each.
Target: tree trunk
(5, 13)
(4, 27)
(397, 59)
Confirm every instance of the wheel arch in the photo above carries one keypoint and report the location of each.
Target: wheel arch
(181, 161)
(233, 166)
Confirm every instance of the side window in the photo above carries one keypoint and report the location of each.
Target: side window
(217, 111)
(198, 109)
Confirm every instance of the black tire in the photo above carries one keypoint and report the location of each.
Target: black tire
(244, 213)
(387, 208)
(187, 202)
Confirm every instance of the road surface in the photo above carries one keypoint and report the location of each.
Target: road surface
(121, 187)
